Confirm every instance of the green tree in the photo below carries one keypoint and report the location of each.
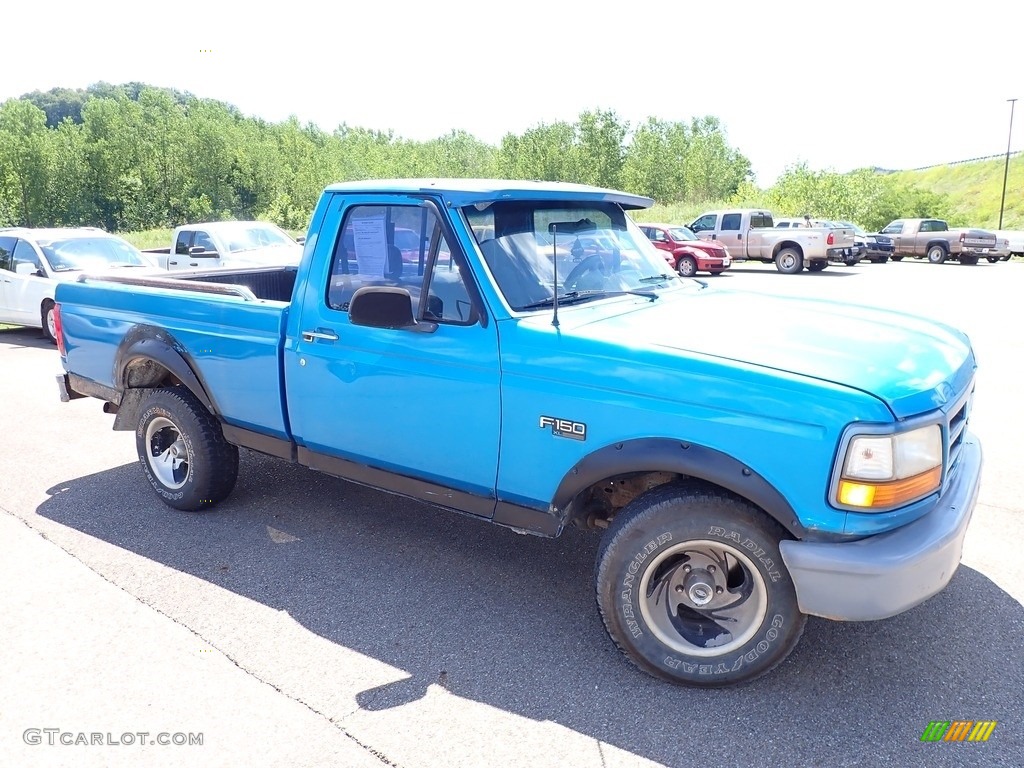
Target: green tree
(25, 160)
(600, 151)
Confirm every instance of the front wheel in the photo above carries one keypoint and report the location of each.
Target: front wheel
(183, 452)
(897, 258)
(46, 317)
(789, 261)
(992, 259)
(686, 266)
(816, 266)
(692, 587)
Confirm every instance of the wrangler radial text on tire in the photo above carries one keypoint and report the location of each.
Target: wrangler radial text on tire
(692, 587)
(183, 451)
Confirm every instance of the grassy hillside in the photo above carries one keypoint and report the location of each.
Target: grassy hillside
(974, 190)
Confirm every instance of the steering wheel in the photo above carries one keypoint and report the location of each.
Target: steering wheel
(590, 263)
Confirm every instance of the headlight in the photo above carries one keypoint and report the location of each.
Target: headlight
(880, 472)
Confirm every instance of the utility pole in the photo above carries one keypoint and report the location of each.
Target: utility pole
(1006, 168)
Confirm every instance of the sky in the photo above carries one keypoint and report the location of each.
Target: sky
(837, 85)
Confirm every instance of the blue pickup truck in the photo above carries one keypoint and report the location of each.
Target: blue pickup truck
(529, 360)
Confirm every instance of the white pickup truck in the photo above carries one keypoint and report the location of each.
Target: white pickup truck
(228, 244)
(751, 234)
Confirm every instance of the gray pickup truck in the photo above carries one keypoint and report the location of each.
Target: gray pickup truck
(934, 240)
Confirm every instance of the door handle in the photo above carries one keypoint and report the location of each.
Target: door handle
(319, 334)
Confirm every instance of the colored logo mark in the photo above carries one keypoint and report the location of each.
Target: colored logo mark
(958, 730)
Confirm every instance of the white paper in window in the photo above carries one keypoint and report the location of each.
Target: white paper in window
(371, 245)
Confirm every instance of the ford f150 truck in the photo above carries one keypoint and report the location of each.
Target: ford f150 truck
(531, 367)
(934, 240)
(751, 234)
(227, 244)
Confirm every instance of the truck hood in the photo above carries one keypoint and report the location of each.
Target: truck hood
(912, 364)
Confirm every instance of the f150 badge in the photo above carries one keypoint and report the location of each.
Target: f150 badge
(574, 430)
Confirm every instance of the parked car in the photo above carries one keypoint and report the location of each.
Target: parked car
(228, 244)
(686, 252)
(1014, 242)
(751, 234)
(33, 261)
(840, 484)
(850, 255)
(934, 240)
(874, 247)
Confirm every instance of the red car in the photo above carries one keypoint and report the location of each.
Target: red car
(687, 253)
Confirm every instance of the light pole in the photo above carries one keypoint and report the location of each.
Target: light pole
(1006, 169)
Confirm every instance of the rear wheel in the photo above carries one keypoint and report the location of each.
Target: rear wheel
(936, 254)
(789, 261)
(183, 452)
(46, 316)
(992, 259)
(686, 266)
(897, 258)
(692, 587)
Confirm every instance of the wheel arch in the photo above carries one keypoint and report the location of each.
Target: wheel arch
(150, 357)
(943, 244)
(788, 244)
(589, 486)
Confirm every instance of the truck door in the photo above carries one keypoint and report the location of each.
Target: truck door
(730, 232)
(420, 404)
(706, 227)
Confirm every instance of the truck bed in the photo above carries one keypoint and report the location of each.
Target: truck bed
(233, 320)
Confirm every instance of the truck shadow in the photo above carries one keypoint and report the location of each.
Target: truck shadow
(509, 621)
(17, 336)
(833, 271)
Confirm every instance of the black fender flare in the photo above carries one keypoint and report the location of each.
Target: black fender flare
(938, 241)
(142, 356)
(655, 454)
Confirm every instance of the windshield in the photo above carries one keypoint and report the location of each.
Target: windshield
(599, 251)
(249, 237)
(681, 234)
(91, 253)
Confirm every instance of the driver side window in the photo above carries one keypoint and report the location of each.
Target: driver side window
(402, 246)
(25, 254)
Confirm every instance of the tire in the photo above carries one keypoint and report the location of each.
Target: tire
(992, 259)
(816, 266)
(936, 254)
(675, 555)
(686, 266)
(46, 318)
(969, 260)
(881, 260)
(897, 258)
(183, 452)
(789, 261)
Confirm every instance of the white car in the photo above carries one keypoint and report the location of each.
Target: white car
(33, 261)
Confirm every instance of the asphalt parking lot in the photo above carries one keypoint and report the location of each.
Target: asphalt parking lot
(308, 621)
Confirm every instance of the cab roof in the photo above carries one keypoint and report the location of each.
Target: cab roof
(461, 192)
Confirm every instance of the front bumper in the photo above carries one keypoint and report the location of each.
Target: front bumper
(892, 572)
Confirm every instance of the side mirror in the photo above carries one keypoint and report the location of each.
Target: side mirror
(27, 268)
(384, 306)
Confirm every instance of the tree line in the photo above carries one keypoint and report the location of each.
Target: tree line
(132, 157)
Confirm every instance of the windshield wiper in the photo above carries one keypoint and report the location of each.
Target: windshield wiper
(656, 278)
(573, 297)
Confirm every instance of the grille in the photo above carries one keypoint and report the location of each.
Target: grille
(956, 428)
